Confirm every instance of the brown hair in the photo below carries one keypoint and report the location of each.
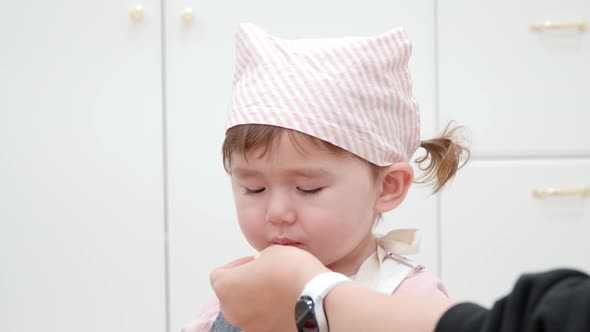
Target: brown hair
(444, 156)
(443, 153)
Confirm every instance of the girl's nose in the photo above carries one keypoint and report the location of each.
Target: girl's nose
(279, 210)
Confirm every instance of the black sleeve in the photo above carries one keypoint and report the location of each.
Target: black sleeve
(558, 300)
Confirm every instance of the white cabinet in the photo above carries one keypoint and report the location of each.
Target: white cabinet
(81, 198)
(494, 228)
(203, 230)
(521, 92)
(524, 94)
(111, 130)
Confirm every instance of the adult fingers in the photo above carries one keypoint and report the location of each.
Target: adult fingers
(226, 270)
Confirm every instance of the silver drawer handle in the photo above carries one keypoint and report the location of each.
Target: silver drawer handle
(544, 192)
(580, 26)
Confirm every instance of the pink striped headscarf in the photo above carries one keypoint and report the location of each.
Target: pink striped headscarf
(355, 93)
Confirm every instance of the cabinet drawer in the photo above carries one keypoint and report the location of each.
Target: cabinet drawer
(520, 91)
(493, 228)
(81, 165)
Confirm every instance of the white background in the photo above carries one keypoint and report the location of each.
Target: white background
(114, 205)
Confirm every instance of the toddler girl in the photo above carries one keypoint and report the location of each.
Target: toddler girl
(319, 139)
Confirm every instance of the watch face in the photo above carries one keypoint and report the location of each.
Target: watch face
(305, 315)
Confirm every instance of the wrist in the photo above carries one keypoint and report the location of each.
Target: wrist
(307, 272)
(309, 309)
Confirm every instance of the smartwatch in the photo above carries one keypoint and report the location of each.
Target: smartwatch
(309, 310)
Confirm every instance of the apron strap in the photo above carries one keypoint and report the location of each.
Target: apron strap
(394, 269)
(387, 268)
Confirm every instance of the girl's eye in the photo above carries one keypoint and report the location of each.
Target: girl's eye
(309, 191)
(253, 191)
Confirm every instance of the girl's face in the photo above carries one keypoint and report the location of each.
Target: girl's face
(315, 200)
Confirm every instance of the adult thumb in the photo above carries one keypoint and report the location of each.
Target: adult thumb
(236, 263)
(222, 270)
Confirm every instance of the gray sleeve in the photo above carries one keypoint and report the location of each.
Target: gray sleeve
(221, 325)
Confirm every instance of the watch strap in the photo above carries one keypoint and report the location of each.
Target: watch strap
(317, 289)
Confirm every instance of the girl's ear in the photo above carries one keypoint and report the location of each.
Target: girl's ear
(395, 180)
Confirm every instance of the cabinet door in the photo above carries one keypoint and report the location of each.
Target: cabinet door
(203, 228)
(494, 228)
(520, 91)
(81, 198)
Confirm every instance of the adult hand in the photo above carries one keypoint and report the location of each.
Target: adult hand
(260, 295)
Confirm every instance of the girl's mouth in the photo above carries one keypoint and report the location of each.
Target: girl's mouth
(285, 241)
